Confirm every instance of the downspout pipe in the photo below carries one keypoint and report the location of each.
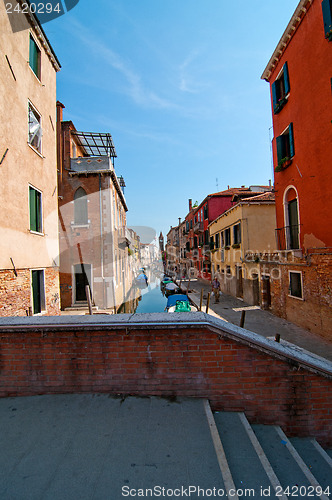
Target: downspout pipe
(101, 240)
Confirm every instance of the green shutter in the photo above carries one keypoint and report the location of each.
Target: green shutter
(291, 141)
(38, 212)
(34, 57)
(274, 95)
(280, 147)
(286, 78)
(327, 17)
(36, 292)
(33, 212)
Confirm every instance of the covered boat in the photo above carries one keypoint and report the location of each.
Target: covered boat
(179, 303)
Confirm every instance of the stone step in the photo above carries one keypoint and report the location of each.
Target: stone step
(287, 464)
(318, 461)
(247, 462)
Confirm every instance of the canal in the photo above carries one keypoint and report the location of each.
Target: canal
(152, 299)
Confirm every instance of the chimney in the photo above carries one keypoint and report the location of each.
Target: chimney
(190, 204)
(179, 220)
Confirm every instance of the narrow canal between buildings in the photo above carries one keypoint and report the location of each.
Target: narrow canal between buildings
(145, 299)
(152, 299)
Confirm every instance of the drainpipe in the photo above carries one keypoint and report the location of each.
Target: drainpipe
(101, 240)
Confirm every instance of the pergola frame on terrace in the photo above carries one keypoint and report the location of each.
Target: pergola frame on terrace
(95, 144)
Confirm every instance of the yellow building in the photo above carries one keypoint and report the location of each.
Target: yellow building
(29, 242)
(240, 238)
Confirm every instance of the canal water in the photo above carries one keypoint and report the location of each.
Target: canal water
(152, 299)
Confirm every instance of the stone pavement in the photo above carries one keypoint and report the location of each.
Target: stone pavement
(259, 321)
(98, 447)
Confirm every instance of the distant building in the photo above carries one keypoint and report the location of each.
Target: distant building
(239, 239)
(161, 242)
(196, 244)
(29, 243)
(173, 252)
(302, 149)
(94, 238)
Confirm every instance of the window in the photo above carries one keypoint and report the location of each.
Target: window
(206, 237)
(237, 234)
(38, 291)
(327, 18)
(34, 57)
(280, 90)
(206, 215)
(80, 207)
(285, 147)
(295, 284)
(227, 235)
(191, 224)
(35, 209)
(74, 149)
(217, 241)
(35, 130)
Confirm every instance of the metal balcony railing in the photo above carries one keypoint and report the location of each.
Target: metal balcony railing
(288, 237)
(199, 227)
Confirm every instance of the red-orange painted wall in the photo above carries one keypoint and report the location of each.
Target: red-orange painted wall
(309, 108)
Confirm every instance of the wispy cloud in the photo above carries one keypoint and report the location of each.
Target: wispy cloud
(134, 87)
(188, 82)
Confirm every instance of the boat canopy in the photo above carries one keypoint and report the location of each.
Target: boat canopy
(172, 299)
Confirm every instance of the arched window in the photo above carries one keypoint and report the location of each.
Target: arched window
(80, 207)
(291, 214)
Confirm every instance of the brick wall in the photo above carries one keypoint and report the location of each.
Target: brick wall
(314, 312)
(15, 292)
(166, 360)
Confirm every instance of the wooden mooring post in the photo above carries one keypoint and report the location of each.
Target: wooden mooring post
(88, 297)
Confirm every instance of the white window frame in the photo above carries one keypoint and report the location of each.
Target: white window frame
(40, 51)
(289, 281)
(43, 301)
(39, 152)
(41, 233)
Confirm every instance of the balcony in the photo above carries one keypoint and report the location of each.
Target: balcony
(91, 164)
(199, 227)
(288, 237)
(124, 238)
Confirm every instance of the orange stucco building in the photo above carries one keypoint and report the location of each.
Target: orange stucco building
(299, 74)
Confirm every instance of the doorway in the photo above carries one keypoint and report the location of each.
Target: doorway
(82, 277)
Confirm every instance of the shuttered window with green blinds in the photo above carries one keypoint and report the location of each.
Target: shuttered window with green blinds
(35, 207)
(285, 144)
(280, 90)
(38, 291)
(327, 18)
(34, 57)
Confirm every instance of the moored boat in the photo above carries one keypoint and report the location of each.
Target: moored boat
(179, 303)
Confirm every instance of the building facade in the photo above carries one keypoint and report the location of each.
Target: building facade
(240, 239)
(29, 242)
(302, 147)
(94, 238)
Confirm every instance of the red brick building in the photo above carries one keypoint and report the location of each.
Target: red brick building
(94, 239)
(198, 240)
(299, 74)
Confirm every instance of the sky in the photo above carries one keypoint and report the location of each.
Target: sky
(178, 85)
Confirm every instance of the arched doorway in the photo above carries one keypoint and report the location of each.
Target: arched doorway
(291, 214)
